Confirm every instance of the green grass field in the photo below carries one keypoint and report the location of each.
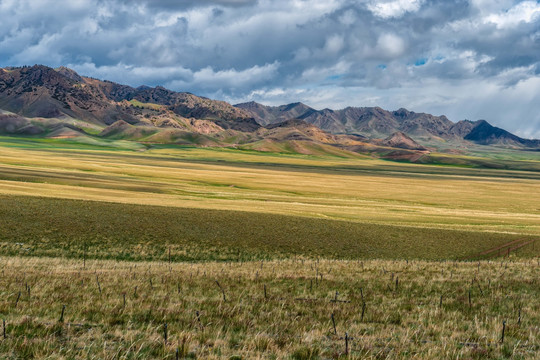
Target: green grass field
(35, 226)
(131, 237)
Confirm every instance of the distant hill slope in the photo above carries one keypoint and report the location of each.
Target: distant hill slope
(401, 140)
(40, 91)
(266, 115)
(41, 101)
(376, 123)
(368, 121)
(486, 134)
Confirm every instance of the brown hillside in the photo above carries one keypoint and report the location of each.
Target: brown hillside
(402, 141)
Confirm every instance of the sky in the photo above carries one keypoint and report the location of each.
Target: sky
(466, 59)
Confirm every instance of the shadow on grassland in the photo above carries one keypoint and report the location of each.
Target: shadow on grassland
(34, 226)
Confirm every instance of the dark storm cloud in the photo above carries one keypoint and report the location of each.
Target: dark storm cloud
(466, 59)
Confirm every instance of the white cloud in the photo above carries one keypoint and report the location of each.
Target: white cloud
(395, 8)
(524, 12)
(36, 53)
(486, 7)
(179, 78)
(234, 79)
(334, 43)
(390, 45)
(133, 75)
(348, 18)
(318, 74)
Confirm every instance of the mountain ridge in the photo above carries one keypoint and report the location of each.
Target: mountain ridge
(42, 101)
(40, 91)
(375, 122)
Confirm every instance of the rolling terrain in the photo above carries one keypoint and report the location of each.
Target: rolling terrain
(141, 223)
(41, 102)
(114, 249)
(211, 253)
(327, 206)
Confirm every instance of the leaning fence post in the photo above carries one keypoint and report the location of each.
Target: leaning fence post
(223, 291)
(99, 286)
(199, 319)
(18, 297)
(165, 333)
(62, 315)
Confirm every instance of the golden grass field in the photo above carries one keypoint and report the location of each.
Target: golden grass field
(130, 239)
(354, 189)
(269, 310)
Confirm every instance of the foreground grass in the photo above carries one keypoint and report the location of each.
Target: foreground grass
(33, 226)
(248, 255)
(269, 309)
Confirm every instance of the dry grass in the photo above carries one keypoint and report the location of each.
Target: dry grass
(358, 190)
(33, 226)
(403, 317)
(297, 215)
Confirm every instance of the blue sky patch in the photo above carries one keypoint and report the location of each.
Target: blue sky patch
(420, 62)
(335, 77)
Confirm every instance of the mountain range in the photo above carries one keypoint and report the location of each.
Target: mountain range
(374, 122)
(40, 101)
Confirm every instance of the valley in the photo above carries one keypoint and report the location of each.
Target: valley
(42, 102)
(143, 223)
(375, 208)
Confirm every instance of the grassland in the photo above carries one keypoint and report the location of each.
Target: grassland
(351, 189)
(249, 255)
(270, 310)
(33, 226)
(264, 205)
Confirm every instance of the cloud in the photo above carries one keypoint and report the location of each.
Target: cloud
(395, 8)
(390, 46)
(525, 12)
(180, 78)
(134, 75)
(426, 55)
(186, 4)
(231, 79)
(334, 44)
